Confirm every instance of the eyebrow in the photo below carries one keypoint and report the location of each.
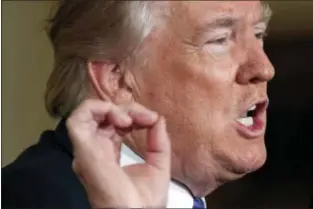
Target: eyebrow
(223, 22)
(229, 22)
(266, 12)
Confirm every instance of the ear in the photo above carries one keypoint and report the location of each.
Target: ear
(108, 81)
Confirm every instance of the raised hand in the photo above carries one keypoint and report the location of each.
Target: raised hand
(96, 129)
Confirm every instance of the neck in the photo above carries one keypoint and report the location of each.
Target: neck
(195, 188)
(200, 190)
(193, 185)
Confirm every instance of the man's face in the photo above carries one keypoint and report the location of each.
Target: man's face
(204, 69)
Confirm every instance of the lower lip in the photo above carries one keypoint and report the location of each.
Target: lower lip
(254, 131)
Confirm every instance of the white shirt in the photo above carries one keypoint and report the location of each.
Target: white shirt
(178, 196)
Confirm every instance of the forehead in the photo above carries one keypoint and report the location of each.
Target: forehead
(197, 11)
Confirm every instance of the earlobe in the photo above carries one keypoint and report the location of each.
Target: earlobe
(104, 78)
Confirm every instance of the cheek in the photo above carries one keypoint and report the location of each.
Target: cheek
(218, 88)
(190, 91)
(223, 72)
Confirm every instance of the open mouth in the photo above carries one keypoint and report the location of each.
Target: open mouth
(251, 122)
(247, 118)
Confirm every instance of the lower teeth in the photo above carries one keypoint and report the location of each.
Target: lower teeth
(247, 121)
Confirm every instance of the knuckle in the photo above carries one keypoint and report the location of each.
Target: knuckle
(91, 104)
(69, 122)
(133, 106)
(86, 104)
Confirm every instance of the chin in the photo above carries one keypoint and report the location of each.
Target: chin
(239, 159)
(249, 161)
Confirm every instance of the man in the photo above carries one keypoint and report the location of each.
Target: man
(122, 70)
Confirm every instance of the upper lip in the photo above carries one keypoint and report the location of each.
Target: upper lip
(261, 104)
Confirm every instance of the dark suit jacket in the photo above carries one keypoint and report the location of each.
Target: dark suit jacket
(42, 176)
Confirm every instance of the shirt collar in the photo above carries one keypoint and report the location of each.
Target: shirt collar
(178, 195)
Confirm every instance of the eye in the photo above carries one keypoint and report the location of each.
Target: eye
(219, 41)
(261, 35)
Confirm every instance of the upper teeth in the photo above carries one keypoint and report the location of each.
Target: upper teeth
(252, 108)
(247, 121)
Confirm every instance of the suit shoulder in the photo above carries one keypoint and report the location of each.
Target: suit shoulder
(42, 177)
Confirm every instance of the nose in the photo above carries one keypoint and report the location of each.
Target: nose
(256, 67)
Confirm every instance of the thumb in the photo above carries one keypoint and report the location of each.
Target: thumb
(158, 152)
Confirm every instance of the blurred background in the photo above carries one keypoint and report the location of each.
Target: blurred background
(26, 64)
(284, 181)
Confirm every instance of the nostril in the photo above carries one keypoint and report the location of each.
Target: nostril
(254, 80)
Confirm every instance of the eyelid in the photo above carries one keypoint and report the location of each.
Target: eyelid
(263, 32)
(261, 27)
(218, 41)
(219, 35)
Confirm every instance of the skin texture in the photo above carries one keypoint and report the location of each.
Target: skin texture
(200, 78)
